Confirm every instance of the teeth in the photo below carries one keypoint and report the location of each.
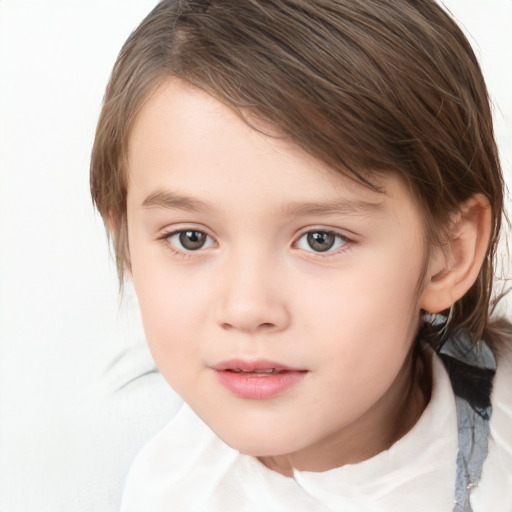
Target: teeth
(267, 371)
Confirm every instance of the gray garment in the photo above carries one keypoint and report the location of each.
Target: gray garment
(471, 369)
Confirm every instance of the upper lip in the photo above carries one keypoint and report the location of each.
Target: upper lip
(251, 366)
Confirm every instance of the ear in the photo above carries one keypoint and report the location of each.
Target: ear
(454, 267)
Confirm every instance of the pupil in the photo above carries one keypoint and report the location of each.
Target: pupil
(192, 240)
(321, 241)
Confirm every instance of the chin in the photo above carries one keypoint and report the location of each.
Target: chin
(257, 429)
(260, 444)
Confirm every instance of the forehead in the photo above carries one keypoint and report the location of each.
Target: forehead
(187, 143)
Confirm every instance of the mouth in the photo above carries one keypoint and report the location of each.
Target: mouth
(258, 366)
(263, 372)
(257, 380)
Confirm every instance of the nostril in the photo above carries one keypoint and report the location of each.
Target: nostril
(265, 326)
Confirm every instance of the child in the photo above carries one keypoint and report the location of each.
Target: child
(308, 198)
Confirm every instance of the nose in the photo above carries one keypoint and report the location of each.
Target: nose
(252, 298)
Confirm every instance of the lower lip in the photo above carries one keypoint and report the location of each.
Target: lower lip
(246, 385)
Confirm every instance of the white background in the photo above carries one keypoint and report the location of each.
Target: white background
(67, 342)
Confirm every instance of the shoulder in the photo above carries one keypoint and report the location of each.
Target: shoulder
(501, 398)
(501, 422)
(494, 492)
(161, 472)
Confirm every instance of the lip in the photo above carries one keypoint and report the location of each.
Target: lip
(257, 380)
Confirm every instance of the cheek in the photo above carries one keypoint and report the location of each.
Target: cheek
(368, 293)
(171, 324)
(173, 309)
(167, 302)
(365, 318)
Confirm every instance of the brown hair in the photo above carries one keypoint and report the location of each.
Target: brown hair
(364, 86)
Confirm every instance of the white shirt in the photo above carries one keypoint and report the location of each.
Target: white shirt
(186, 467)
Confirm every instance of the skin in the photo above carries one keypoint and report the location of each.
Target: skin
(257, 290)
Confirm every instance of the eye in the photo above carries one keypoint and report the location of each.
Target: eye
(189, 240)
(321, 241)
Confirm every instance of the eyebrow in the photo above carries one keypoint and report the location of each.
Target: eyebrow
(340, 207)
(172, 201)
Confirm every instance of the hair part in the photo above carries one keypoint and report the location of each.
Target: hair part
(365, 87)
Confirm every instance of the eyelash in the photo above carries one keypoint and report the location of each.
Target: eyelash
(342, 241)
(184, 253)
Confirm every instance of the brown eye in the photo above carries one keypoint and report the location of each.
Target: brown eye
(321, 241)
(192, 240)
(189, 240)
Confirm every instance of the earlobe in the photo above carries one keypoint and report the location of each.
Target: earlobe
(454, 267)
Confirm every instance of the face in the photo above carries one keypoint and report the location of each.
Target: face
(279, 298)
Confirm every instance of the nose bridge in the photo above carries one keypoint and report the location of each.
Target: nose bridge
(252, 298)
